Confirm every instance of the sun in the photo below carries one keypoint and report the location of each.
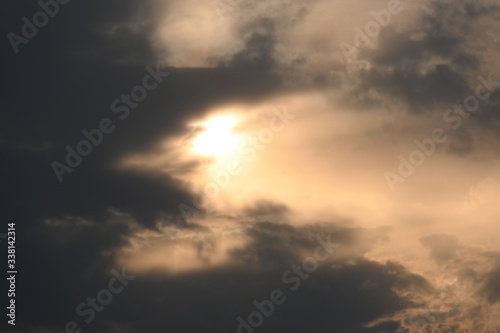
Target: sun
(218, 138)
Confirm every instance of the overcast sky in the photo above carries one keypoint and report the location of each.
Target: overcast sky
(308, 166)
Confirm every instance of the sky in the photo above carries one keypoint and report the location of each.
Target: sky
(319, 166)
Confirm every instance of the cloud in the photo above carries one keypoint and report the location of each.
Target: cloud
(346, 293)
(119, 208)
(426, 66)
(491, 288)
(442, 247)
(265, 207)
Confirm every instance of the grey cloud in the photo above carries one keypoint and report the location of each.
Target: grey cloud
(344, 297)
(490, 288)
(429, 71)
(266, 207)
(442, 247)
(65, 81)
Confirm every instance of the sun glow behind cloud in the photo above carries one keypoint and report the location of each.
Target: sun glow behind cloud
(218, 138)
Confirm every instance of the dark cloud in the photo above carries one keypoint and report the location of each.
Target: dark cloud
(64, 81)
(342, 294)
(490, 288)
(273, 242)
(259, 46)
(428, 66)
(329, 299)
